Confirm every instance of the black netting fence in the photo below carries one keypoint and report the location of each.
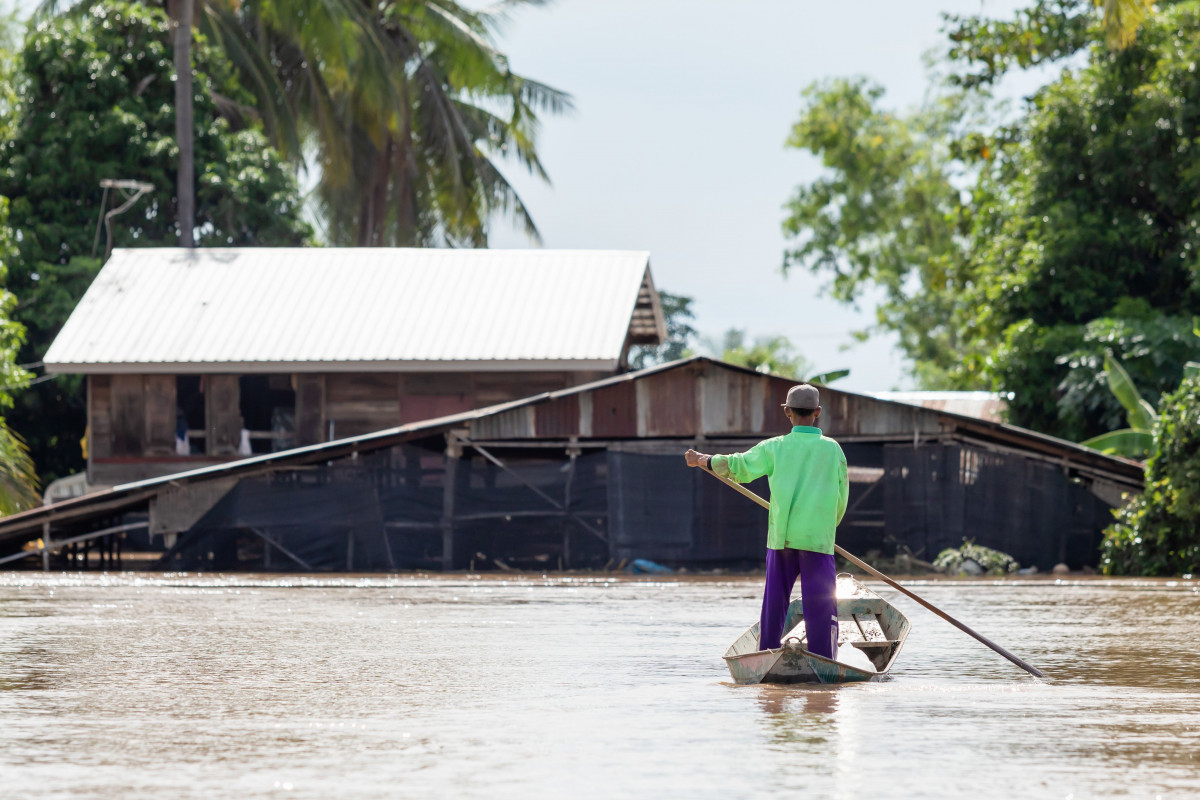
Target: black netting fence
(411, 507)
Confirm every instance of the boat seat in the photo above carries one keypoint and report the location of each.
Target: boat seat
(851, 628)
(873, 646)
(880, 653)
(856, 606)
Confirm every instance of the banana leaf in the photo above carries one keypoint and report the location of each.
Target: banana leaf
(1141, 415)
(1125, 442)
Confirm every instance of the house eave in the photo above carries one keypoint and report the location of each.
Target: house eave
(290, 367)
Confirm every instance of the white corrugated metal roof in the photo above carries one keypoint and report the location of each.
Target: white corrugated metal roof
(329, 309)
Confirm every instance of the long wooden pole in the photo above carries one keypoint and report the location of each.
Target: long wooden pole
(858, 562)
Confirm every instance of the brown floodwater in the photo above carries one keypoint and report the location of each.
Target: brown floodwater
(139, 685)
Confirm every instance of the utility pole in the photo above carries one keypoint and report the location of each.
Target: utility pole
(184, 126)
(133, 190)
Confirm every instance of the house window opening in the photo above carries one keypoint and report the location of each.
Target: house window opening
(268, 405)
(189, 415)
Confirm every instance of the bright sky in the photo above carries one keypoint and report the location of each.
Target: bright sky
(676, 146)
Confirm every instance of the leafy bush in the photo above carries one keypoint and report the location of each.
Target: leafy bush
(992, 562)
(1158, 532)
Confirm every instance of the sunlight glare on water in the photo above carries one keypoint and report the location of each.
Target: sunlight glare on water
(128, 685)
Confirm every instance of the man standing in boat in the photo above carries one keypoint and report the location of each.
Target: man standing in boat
(806, 471)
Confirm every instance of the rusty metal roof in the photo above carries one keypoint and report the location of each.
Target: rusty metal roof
(359, 309)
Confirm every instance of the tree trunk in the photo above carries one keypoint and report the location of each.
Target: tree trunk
(406, 188)
(184, 126)
(372, 218)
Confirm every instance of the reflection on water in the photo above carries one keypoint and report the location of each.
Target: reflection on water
(269, 686)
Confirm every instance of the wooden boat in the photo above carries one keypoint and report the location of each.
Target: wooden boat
(865, 621)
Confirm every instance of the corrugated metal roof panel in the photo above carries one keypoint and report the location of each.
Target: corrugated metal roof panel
(242, 309)
(981, 405)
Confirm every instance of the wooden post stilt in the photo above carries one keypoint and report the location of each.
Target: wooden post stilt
(573, 454)
(449, 484)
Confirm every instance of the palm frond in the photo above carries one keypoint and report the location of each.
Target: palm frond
(546, 98)
(18, 477)
(234, 38)
(1122, 19)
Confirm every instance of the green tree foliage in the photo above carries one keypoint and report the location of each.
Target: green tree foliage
(10, 29)
(1075, 400)
(1156, 532)
(95, 100)
(678, 316)
(1097, 226)
(886, 213)
(1045, 32)
(18, 478)
(1016, 257)
(773, 354)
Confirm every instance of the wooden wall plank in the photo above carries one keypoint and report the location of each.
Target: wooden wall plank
(161, 410)
(222, 414)
(99, 417)
(352, 387)
(441, 382)
(415, 408)
(310, 409)
(128, 414)
(358, 403)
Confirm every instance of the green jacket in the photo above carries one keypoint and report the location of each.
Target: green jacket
(809, 488)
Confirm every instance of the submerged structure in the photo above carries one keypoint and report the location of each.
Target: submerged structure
(592, 475)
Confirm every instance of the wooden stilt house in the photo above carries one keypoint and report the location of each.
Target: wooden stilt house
(198, 357)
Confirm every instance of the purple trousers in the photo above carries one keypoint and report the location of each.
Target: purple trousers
(818, 598)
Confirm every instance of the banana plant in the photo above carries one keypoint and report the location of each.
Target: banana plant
(1137, 440)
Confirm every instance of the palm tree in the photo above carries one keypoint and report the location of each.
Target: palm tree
(404, 107)
(403, 113)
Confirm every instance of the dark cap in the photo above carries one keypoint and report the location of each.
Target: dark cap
(804, 397)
